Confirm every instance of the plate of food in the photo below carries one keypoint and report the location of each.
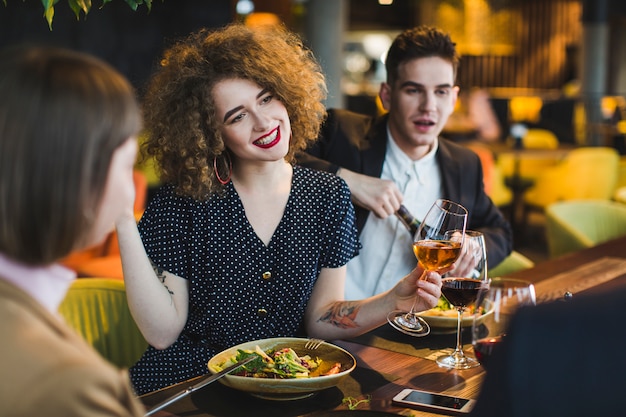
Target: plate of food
(285, 369)
(443, 317)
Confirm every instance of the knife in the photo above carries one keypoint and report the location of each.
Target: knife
(199, 385)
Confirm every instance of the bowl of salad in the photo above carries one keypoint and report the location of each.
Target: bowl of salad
(284, 369)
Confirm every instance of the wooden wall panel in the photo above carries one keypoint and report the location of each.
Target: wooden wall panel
(544, 32)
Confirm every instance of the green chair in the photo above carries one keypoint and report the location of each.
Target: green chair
(512, 263)
(579, 224)
(98, 310)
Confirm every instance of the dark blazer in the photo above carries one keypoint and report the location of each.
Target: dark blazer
(358, 142)
(560, 359)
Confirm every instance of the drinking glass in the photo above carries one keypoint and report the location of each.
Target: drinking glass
(437, 245)
(461, 288)
(495, 306)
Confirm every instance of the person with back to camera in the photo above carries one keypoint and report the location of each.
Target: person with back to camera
(399, 159)
(559, 359)
(68, 126)
(240, 244)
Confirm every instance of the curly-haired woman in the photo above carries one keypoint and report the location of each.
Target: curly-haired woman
(241, 244)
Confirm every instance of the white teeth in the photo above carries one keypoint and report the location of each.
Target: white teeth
(268, 139)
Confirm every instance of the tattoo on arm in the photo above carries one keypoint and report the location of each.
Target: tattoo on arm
(342, 314)
(160, 273)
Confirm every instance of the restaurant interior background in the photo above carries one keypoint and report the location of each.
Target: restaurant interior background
(564, 52)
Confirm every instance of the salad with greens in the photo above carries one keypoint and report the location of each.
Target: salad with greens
(282, 363)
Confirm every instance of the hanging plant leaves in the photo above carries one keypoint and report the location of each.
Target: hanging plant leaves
(83, 6)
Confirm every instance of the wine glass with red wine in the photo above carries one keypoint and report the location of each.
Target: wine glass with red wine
(495, 307)
(437, 245)
(460, 287)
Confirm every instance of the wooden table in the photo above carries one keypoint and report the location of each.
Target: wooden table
(382, 373)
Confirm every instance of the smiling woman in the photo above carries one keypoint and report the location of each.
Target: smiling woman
(242, 244)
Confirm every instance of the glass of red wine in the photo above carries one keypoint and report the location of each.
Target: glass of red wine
(437, 245)
(495, 307)
(460, 287)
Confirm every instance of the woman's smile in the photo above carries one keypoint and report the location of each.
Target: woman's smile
(269, 140)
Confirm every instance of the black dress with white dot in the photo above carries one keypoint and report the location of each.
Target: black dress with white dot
(239, 288)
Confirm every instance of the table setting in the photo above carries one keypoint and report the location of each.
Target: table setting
(387, 361)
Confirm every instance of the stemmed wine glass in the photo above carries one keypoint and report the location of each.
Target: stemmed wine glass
(437, 245)
(495, 306)
(460, 288)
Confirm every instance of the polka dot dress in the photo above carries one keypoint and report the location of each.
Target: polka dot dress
(241, 289)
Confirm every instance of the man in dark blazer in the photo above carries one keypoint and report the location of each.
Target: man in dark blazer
(561, 358)
(374, 155)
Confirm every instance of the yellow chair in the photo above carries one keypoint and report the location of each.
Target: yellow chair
(584, 173)
(620, 186)
(540, 139)
(530, 164)
(98, 310)
(579, 224)
(512, 263)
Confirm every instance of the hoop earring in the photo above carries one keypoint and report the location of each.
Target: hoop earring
(230, 169)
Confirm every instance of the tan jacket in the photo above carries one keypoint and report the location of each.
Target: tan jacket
(46, 369)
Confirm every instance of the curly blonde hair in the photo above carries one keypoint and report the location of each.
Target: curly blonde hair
(182, 128)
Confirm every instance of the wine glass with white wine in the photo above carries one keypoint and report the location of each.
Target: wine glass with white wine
(437, 246)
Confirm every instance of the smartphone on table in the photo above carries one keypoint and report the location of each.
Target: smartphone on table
(431, 401)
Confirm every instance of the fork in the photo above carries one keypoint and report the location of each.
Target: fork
(313, 343)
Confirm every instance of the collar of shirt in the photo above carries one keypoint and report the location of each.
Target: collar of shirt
(401, 168)
(46, 284)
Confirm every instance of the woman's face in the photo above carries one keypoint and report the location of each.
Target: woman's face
(254, 124)
(119, 192)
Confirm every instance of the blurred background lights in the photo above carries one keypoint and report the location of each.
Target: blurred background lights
(245, 7)
(375, 45)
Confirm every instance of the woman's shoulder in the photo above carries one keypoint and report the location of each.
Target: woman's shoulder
(167, 195)
(321, 180)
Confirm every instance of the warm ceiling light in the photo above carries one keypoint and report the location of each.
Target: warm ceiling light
(385, 2)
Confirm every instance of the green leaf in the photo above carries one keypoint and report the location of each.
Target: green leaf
(49, 15)
(134, 3)
(80, 5)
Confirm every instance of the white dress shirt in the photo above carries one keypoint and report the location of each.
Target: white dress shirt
(387, 253)
(46, 284)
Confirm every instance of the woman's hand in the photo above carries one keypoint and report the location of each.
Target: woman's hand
(427, 290)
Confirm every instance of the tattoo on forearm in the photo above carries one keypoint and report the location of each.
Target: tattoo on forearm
(342, 315)
(160, 273)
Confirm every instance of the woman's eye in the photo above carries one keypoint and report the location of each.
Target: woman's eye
(267, 99)
(237, 118)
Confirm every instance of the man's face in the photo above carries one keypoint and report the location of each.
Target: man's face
(419, 103)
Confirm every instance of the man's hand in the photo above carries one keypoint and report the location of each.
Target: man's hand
(471, 255)
(382, 197)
